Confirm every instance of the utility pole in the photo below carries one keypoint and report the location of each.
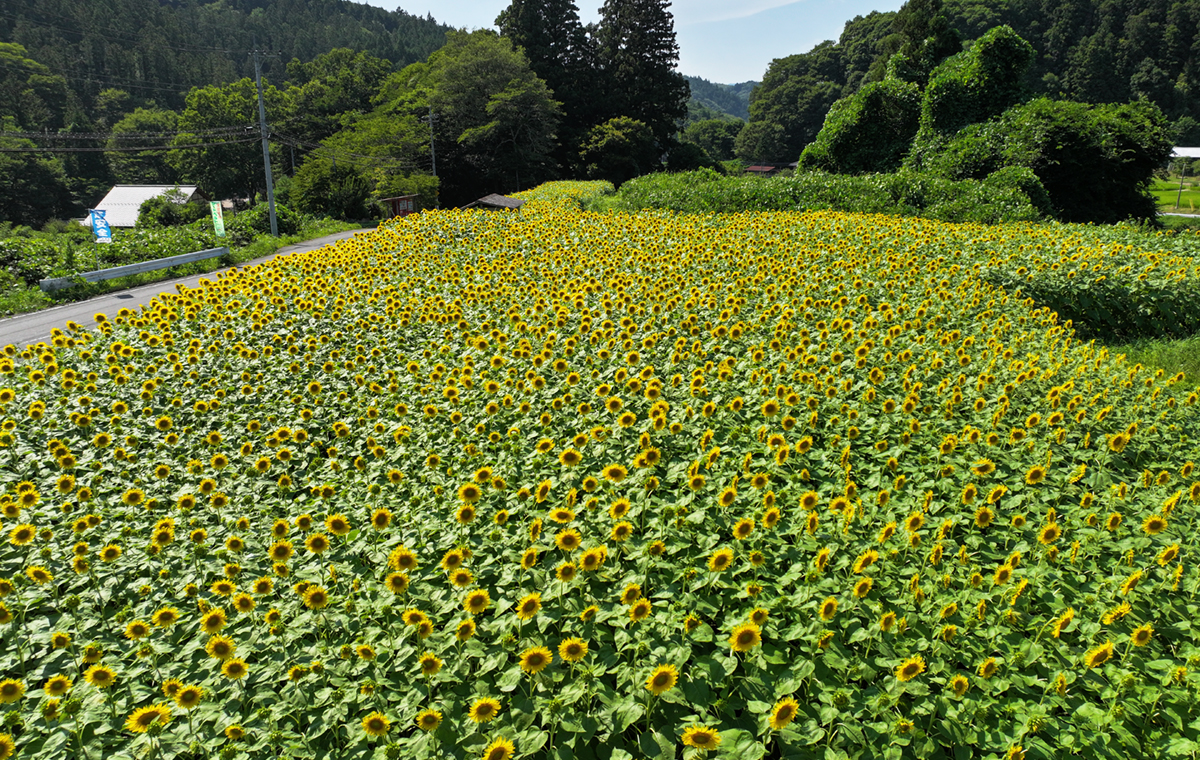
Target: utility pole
(433, 153)
(262, 125)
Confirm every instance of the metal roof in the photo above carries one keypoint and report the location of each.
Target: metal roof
(496, 201)
(1185, 153)
(123, 201)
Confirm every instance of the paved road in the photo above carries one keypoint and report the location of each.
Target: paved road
(24, 329)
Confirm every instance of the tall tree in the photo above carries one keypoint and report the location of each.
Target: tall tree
(638, 54)
(560, 52)
(224, 169)
(921, 37)
(789, 107)
(331, 89)
(495, 120)
(33, 186)
(135, 167)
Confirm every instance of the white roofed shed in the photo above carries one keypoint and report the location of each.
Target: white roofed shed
(121, 204)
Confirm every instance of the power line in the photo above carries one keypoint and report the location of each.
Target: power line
(81, 32)
(93, 136)
(128, 149)
(358, 159)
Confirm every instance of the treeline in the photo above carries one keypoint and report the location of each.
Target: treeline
(1088, 51)
(135, 94)
(154, 51)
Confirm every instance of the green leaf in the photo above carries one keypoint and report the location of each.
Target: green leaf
(740, 744)
(627, 712)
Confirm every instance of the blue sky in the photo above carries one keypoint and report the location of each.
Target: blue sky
(721, 40)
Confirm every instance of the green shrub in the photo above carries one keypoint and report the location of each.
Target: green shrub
(170, 209)
(904, 193)
(970, 87)
(1096, 163)
(619, 150)
(870, 131)
(256, 221)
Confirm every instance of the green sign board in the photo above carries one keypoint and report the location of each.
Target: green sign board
(218, 220)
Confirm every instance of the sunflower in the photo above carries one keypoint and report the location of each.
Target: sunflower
(428, 720)
(465, 630)
(568, 540)
(1097, 656)
(100, 676)
(536, 659)
(743, 529)
(828, 608)
(499, 749)
(338, 525)
(701, 737)
(622, 531)
(56, 686)
(140, 721)
(631, 593)
(11, 690)
(720, 560)
(430, 663)
(863, 587)
(1049, 534)
(593, 558)
(220, 647)
(639, 610)
(987, 668)
(188, 697)
(614, 473)
(235, 669)
(376, 724)
(477, 601)
(529, 606)
(784, 713)
(484, 710)
(529, 558)
(1141, 636)
(745, 637)
(137, 629)
(573, 650)
(662, 679)
(910, 668)
(470, 492)
(317, 543)
(1154, 524)
(316, 598)
(959, 684)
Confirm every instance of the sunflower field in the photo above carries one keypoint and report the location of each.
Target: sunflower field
(567, 485)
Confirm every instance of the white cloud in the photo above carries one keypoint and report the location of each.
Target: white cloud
(707, 11)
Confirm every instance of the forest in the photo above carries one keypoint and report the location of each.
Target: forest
(364, 103)
(1085, 51)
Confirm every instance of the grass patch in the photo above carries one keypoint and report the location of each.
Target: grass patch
(1171, 356)
(18, 298)
(1170, 200)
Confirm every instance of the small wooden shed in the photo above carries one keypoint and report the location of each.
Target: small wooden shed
(495, 202)
(762, 171)
(401, 205)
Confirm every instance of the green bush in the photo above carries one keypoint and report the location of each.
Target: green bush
(970, 87)
(869, 131)
(170, 209)
(619, 150)
(905, 193)
(256, 221)
(1096, 163)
